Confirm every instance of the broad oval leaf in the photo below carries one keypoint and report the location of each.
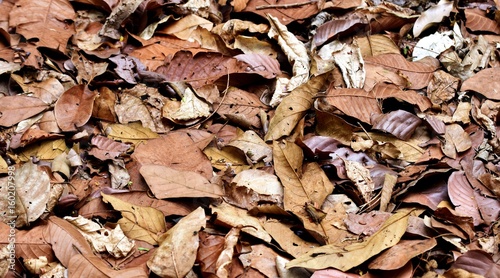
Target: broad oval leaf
(14, 109)
(74, 107)
(166, 182)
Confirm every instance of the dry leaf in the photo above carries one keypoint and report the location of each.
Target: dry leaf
(177, 253)
(142, 223)
(357, 253)
(167, 182)
(74, 107)
(14, 109)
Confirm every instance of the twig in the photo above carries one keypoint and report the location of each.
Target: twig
(285, 6)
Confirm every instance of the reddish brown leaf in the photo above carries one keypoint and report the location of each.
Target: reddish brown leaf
(400, 254)
(105, 148)
(176, 150)
(356, 103)
(206, 68)
(285, 14)
(14, 109)
(337, 27)
(462, 196)
(46, 21)
(485, 82)
(399, 123)
(384, 91)
(477, 21)
(479, 262)
(74, 107)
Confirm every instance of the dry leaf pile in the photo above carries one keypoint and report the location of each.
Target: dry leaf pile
(249, 138)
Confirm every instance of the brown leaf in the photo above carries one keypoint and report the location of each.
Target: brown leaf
(462, 196)
(293, 108)
(167, 182)
(477, 21)
(337, 27)
(400, 254)
(485, 83)
(74, 107)
(46, 21)
(399, 123)
(418, 74)
(203, 68)
(356, 103)
(143, 223)
(479, 262)
(357, 253)
(14, 109)
(177, 253)
(176, 150)
(384, 91)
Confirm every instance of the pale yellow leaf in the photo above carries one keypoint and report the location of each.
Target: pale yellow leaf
(142, 223)
(177, 253)
(253, 146)
(357, 253)
(232, 216)
(132, 132)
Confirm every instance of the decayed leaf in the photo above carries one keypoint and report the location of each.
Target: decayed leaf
(102, 239)
(431, 16)
(294, 49)
(293, 108)
(167, 182)
(357, 253)
(261, 258)
(32, 191)
(360, 176)
(73, 251)
(232, 216)
(177, 253)
(190, 108)
(14, 109)
(142, 223)
(74, 107)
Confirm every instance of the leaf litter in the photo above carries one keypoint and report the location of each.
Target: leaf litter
(249, 139)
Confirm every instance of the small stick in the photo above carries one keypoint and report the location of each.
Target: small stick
(285, 6)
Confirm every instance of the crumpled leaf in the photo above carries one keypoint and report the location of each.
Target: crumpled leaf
(177, 253)
(32, 192)
(294, 50)
(166, 182)
(456, 141)
(234, 217)
(431, 16)
(121, 12)
(190, 108)
(142, 223)
(102, 239)
(293, 108)
(253, 146)
(357, 253)
(105, 148)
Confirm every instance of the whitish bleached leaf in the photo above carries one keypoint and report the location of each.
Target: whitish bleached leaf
(431, 16)
(102, 239)
(177, 253)
(294, 50)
